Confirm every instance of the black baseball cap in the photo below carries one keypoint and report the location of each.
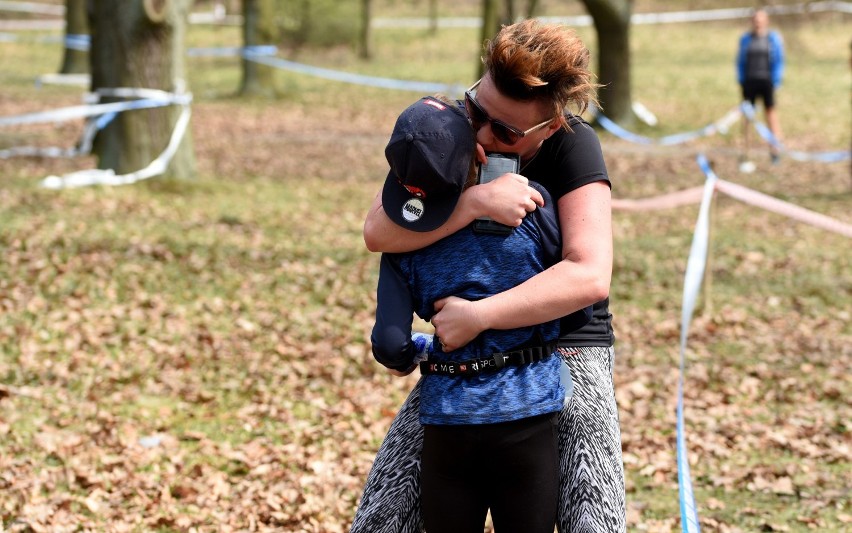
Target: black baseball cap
(430, 153)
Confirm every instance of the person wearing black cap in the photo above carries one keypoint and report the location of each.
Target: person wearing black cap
(488, 408)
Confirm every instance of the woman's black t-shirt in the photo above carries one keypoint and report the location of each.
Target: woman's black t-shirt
(566, 161)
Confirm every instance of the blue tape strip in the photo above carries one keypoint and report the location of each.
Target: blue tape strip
(102, 121)
(618, 131)
(668, 140)
(823, 157)
(229, 51)
(82, 111)
(691, 286)
(79, 42)
(360, 79)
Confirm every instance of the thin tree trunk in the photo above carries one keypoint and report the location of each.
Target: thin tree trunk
(612, 23)
(532, 8)
(75, 60)
(490, 27)
(140, 44)
(366, 15)
(259, 29)
(510, 12)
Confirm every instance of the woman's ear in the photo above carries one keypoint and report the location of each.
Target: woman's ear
(480, 154)
(552, 128)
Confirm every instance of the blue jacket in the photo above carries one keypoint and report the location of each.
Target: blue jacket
(473, 266)
(776, 57)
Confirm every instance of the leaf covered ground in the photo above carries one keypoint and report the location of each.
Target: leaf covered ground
(194, 356)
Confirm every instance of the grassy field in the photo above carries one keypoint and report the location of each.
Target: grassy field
(195, 357)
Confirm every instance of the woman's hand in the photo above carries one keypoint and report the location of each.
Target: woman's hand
(456, 322)
(507, 199)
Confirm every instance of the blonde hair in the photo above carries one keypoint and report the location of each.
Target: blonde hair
(531, 60)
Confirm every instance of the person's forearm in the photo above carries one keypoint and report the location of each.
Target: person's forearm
(381, 234)
(507, 200)
(558, 291)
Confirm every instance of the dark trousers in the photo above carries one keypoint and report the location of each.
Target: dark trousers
(511, 468)
(763, 89)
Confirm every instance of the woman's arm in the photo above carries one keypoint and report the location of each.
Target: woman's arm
(579, 280)
(507, 200)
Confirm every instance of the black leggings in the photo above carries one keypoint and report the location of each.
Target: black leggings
(511, 468)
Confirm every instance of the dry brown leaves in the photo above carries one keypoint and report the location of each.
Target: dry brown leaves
(178, 366)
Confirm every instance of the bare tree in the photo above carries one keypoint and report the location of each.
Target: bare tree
(532, 8)
(490, 27)
(259, 29)
(140, 44)
(612, 24)
(75, 59)
(364, 37)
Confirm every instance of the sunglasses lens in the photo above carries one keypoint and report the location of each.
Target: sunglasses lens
(478, 118)
(476, 113)
(503, 134)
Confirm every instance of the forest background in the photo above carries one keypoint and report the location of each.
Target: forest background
(194, 355)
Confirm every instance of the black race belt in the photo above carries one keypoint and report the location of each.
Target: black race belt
(497, 361)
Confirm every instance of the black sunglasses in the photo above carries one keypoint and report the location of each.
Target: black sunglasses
(503, 132)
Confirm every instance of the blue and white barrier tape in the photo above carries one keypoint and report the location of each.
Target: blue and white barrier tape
(100, 115)
(79, 42)
(722, 125)
(691, 287)
(263, 54)
(83, 43)
(769, 137)
(359, 79)
(148, 99)
(158, 166)
(230, 51)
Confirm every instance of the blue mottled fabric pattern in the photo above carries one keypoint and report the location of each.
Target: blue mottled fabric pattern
(473, 266)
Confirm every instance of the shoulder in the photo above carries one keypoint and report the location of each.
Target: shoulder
(579, 132)
(578, 123)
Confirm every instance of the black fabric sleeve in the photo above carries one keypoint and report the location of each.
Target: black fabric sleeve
(568, 160)
(547, 220)
(391, 337)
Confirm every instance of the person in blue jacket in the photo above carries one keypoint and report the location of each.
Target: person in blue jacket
(489, 408)
(760, 70)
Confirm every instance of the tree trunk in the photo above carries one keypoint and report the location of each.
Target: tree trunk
(433, 16)
(364, 49)
(75, 59)
(490, 27)
(259, 29)
(140, 44)
(612, 23)
(510, 12)
(532, 8)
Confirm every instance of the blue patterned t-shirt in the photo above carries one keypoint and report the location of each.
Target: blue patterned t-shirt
(473, 266)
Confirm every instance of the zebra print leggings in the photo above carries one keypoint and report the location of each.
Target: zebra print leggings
(591, 485)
